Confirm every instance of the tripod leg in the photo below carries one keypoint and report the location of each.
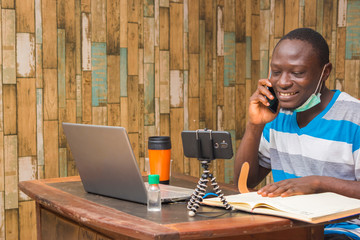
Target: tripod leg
(218, 192)
(197, 196)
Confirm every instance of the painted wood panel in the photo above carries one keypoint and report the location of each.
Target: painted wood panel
(133, 50)
(176, 33)
(2, 175)
(353, 30)
(61, 68)
(27, 220)
(25, 19)
(12, 224)
(155, 67)
(51, 149)
(86, 41)
(11, 171)
(26, 113)
(10, 109)
(50, 94)
(70, 75)
(164, 25)
(8, 46)
(164, 82)
(99, 74)
(176, 88)
(133, 112)
(25, 52)
(27, 171)
(113, 27)
(98, 19)
(49, 29)
(113, 70)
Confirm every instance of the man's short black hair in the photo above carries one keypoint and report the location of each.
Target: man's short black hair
(317, 41)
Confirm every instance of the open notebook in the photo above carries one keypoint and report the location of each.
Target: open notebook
(313, 208)
(107, 165)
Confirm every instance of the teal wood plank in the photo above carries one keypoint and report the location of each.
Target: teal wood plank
(62, 162)
(38, 22)
(123, 71)
(149, 94)
(248, 58)
(149, 8)
(202, 67)
(186, 98)
(8, 46)
(264, 63)
(353, 30)
(61, 68)
(99, 74)
(229, 59)
(229, 163)
(319, 15)
(39, 127)
(186, 16)
(78, 98)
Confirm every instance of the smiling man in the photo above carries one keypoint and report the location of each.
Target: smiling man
(311, 144)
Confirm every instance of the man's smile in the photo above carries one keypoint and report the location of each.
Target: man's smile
(286, 94)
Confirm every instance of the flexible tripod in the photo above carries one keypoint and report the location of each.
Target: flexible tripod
(200, 190)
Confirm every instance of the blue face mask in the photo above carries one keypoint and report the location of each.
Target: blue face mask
(314, 99)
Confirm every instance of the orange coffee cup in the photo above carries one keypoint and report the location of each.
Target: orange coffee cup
(159, 157)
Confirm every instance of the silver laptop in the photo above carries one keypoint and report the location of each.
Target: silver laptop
(107, 165)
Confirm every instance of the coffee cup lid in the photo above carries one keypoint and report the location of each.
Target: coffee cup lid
(159, 143)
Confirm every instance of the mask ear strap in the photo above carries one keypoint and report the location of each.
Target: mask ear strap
(319, 85)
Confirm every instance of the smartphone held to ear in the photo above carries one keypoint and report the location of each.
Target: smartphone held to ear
(274, 103)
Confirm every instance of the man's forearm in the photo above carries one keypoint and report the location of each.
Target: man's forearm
(340, 186)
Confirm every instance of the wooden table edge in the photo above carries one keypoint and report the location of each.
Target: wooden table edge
(112, 221)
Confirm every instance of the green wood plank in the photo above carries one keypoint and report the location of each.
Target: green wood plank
(99, 74)
(39, 126)
(61, 68)
(229, 163)
(229, 59)
(353, 30)
(149, 94)
(248, 58)
(38, 22)
(123, 72)
(149, 8)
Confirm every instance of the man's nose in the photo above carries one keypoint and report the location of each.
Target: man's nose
(284, 81)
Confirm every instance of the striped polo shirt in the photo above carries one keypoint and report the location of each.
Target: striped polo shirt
(328, 146)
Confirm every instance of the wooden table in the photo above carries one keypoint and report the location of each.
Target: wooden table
(66, 211)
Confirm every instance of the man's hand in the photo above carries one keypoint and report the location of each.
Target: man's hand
(291, 187)
(258, 110)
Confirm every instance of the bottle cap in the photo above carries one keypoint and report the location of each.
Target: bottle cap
(154, 179)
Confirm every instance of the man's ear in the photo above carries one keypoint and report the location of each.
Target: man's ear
(327, 71)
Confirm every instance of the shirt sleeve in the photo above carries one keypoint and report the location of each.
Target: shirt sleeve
(264, 148)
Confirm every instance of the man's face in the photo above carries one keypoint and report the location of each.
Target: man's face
(295, 71)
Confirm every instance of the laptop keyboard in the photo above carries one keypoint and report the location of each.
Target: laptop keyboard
(169, 192)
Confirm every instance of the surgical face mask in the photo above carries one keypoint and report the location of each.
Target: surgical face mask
(314, 99)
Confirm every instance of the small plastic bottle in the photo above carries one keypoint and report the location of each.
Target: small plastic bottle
(154, 196)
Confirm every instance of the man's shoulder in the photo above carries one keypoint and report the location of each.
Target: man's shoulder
(345, 108)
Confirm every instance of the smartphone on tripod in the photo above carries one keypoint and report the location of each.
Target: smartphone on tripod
(207, 144)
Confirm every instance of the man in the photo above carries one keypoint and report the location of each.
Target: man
(312, 142)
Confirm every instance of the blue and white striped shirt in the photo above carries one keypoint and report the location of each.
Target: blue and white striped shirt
(328, 146)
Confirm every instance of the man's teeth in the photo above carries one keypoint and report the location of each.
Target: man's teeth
(286, 94)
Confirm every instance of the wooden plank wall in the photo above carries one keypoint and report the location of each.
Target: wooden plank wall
(155, 67)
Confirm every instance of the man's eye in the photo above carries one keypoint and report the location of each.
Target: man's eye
(276, 73)
(298, 74)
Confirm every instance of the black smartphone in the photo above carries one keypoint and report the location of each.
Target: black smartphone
(274, 103)
(206, 144)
